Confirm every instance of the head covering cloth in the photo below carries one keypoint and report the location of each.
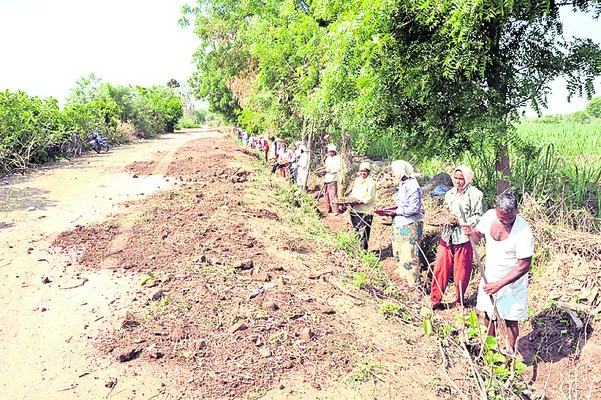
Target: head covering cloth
(365, 165)
(331, 147)
(467, 172)
(401, 168)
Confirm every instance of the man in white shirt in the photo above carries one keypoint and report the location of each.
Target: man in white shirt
(509, 250)
(330, 180)
(295, 157)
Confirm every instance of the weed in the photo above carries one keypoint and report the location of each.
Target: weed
(359, 279)
(389, 309)
(147, 278)
(367, 370)
(370, 260)
(348, 243)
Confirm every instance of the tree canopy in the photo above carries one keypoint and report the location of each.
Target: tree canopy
(425, 74)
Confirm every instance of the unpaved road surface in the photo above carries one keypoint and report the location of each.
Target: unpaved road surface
(45, 328)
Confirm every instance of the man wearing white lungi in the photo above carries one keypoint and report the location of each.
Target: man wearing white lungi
(509, 250)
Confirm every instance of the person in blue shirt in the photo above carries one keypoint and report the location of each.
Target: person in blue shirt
(407, 225)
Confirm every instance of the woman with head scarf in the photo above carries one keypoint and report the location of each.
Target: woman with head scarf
(364, 190)
(407, 227)
(454, 256)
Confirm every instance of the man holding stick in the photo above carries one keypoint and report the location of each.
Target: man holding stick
(509, 250)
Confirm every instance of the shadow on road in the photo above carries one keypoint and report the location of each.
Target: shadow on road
(12, 199)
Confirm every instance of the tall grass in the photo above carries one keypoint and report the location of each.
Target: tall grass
(557, 163)
(580, 141)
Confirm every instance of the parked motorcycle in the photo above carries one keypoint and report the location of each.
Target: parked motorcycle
(97, 143)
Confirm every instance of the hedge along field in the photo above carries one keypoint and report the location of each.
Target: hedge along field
(32, 129)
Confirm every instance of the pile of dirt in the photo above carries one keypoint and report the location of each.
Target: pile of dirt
(141, 167)
(217, 295)
(90, 244)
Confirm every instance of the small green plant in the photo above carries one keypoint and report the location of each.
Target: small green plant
(359, 279)
(365, 370)
(370, 260)
(147, 278)
(389, 309)
(348, 243)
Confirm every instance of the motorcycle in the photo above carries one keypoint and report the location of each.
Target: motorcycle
(97, 143)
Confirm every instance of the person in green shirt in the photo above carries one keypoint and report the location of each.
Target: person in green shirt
(364, 190)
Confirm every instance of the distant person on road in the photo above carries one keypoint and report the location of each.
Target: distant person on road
(362, 217)
(330, 180)
(407, 225)
(509, 250)
(455, 253)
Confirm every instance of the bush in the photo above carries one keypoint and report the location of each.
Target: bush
(32, 129)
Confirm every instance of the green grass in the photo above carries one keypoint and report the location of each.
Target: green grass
(580, 142)
(558, 163)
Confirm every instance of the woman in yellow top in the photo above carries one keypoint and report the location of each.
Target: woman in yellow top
(364, 190)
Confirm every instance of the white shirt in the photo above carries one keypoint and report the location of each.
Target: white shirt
(333, 167)
(284, 156)
(296, 156)
(501, 257)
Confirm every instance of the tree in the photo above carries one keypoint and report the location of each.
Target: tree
(172, 83)
(436, 77)
(594, 107)
(87, 89)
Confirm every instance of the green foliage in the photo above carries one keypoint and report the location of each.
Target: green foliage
(32, 129)
(359, 279)
(413, 78)
(151, 110)
(594, 107)
(366, 370)
(347, 243)
(389, 309)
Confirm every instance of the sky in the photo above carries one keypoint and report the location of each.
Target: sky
(47, 44)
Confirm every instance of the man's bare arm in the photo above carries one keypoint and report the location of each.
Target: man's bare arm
(516, 273)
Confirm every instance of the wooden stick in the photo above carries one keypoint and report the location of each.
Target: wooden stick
(481, 268)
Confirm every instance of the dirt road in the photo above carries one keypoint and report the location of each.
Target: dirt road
(46, 328)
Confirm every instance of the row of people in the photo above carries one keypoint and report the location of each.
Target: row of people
(509, 242)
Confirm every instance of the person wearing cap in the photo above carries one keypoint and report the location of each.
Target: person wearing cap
(330, 180)
(455, 252)
(302, 165)
(364, 190)
(407, 228)
(295, 156)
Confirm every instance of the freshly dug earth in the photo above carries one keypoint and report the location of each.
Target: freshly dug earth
(234, 293)
(238, 299)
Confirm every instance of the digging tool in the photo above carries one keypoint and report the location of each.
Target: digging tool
(323, 187)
